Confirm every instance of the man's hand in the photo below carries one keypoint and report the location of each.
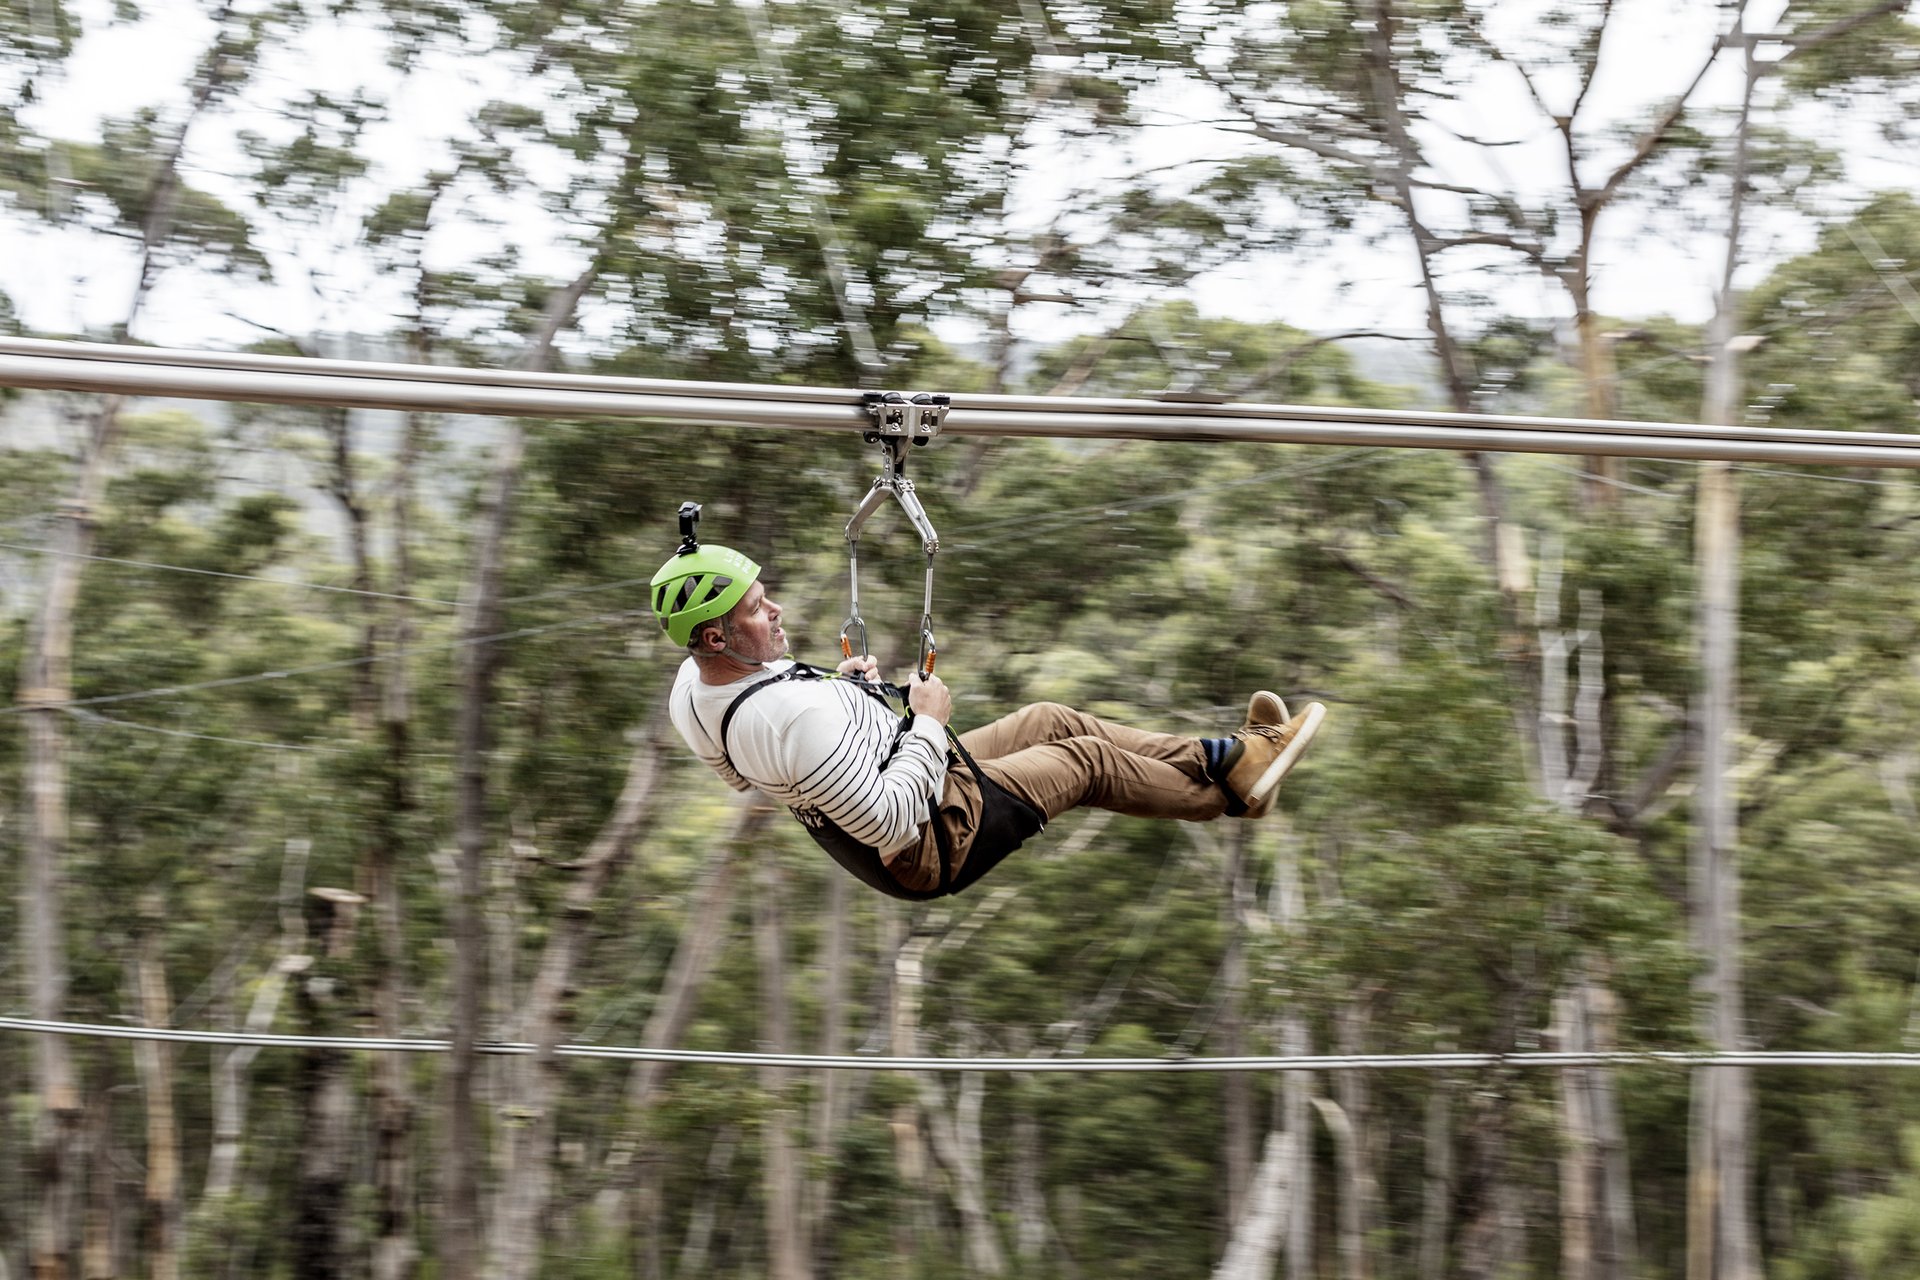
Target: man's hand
(928, 696)
(866, 668)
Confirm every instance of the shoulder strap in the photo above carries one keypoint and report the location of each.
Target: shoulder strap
(795, 672)
(802, 671)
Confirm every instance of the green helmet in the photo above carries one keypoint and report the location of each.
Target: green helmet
(699, 583)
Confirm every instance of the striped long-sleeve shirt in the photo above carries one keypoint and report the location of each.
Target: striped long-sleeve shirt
(820, 747)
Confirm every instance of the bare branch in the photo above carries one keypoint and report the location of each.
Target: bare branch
(1660, 774)
(1531, 250)
(1591, 62)
(1379, 584)
(1281, 136)
(1560, 122)
(1082, 367)
(1454, 188)
(1650, 139)
(1284, 361)
(1474, 139)
(1308, 142)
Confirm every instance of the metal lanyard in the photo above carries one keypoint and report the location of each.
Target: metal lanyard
(896, 420)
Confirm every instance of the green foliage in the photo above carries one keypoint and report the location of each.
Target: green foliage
(702, 157)
(119, 178)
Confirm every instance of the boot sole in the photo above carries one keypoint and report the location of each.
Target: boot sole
(1258, 793)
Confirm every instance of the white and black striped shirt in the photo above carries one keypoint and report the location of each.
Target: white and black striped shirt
(820, 747)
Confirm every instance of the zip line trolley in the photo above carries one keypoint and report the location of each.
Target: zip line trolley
(895, 419)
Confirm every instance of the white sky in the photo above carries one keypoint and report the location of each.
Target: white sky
(64, 282)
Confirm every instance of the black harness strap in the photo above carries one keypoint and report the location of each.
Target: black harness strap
(1006, 821)
(863, 861)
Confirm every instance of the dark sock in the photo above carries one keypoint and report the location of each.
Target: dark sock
(1216, 749)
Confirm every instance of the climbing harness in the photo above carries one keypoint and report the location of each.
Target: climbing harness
(1005, 823)
(896, 420)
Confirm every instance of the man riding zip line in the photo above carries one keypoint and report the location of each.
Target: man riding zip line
(881, 792)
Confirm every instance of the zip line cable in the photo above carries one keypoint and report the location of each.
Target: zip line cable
(29, 362)
(852, 1062)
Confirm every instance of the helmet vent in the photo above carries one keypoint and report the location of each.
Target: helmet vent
(706, 589)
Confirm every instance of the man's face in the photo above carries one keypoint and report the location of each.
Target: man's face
(755, 625)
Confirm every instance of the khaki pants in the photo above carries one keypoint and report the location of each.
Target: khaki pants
(1056, 759)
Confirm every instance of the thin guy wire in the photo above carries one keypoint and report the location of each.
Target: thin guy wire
(1324, 1062)
(94, 717)
(338, 664)
(319, 586)
(1816, 475)
(1352, 457)
(1072, 515)
(217, 573)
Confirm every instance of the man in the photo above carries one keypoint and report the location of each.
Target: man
(880, 792)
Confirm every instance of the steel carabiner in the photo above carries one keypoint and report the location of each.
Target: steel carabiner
(896, 420)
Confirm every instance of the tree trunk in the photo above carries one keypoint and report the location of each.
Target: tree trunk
(100, 1226)
(1577, 1164)
(380, 705)
(693, 1250)
(912, 1224)
(780, 1169)
(1256, 1234)
(829, 1096)
(46, 682)
(1350, 1125)
(1031, 1228)
(1296, 1087)
(392, 1104)
(700, 938)
(1502, 549)
(1616, 1240)
(480, 609)
(1493, 1242)
(324, 1089)
(1237, 1089)
(160, 1216)
(956, 1143)
(1346, 1151)
(1721, 1244)
(480, 614)
(529, 1136)
(1597, 1238)
(1437, 1194)
(230, 1072)
(1600, 493)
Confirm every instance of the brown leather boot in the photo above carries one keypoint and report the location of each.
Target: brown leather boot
(1266, 748)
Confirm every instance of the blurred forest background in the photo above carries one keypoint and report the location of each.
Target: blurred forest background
(350, 723)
